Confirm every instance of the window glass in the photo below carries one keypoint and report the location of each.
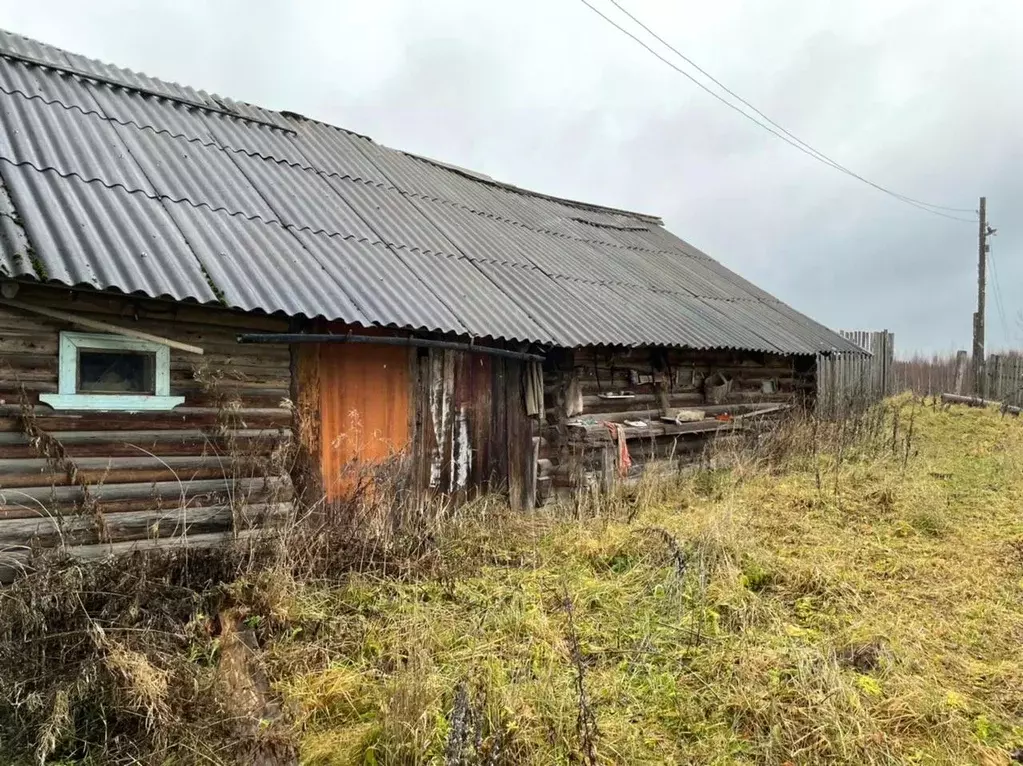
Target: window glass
(116, 372)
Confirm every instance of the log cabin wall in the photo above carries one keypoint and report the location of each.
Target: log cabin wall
(584, 389)
(108, 481)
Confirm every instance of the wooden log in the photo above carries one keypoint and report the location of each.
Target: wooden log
(762, 412)
(248, 399)
(976, 401)
(15, 562)
(181, 417)
(49, 531)
(80, 444)
(37, 472)
(270, 385)
(152, 309)
(101, 326)
(254, 496)
(634, 409)
(37, 465)
(27, 502)
(969, 401)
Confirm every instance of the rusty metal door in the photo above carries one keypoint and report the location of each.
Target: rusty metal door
(364, 411)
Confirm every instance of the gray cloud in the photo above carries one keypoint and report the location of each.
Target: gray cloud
(919, 96)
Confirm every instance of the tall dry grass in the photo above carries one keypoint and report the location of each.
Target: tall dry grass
(817, 592)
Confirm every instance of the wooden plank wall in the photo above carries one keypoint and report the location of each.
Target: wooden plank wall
(578, 455)
(471, 432)
(851, 381)
(102, 481)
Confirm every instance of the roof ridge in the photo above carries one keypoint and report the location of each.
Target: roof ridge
(485, 179)
(321, 231)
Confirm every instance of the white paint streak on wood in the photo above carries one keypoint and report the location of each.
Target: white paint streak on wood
(441, 385)
(436, 395)
(461, 451)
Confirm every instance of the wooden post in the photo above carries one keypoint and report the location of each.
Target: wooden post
(978, 317)
(423, 437)
(519, 436)
(889, 363)
(1014, 394)
(307, 466)
(531, 470)
(993, 372)
(961, 357)
(661, 392)
(607, 469)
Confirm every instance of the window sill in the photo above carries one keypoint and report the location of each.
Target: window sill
(111, 402)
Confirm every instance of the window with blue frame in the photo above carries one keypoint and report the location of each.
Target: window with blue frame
(112, 372)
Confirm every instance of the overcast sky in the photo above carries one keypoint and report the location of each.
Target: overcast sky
(920, 96)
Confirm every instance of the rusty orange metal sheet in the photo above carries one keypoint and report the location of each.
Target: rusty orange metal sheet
(364, 410)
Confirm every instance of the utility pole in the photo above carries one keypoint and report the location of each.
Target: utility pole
(978, 318)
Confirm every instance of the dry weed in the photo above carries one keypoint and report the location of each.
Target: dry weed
(845, 592)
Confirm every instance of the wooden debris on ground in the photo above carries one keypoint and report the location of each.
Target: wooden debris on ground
(976, 401)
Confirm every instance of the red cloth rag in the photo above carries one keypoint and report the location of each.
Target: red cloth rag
(624, 459)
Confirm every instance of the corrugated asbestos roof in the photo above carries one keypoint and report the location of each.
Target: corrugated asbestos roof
(116, 180)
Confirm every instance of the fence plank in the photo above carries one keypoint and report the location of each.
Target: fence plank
(852, 381)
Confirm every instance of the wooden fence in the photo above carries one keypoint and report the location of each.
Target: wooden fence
(953, 374)
(848, 381)
(1003, 379)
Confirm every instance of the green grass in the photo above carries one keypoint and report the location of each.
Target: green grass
(844, 602)
(878, 619)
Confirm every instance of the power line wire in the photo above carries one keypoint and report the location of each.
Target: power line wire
(828, 160)
(999, 303)
(781, 132)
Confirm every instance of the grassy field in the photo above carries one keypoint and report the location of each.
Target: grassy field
(870, 612)
(855, 600)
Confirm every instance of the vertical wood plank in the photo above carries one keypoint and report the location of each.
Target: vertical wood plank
(499, 426)
(961, 359)
(306, 473)
(445, 439)
(845, 380)
(518, 432)
(890, 362)
(439, 414)
(479, 376)
(529, 500)
(425, 444)
(461, 428)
